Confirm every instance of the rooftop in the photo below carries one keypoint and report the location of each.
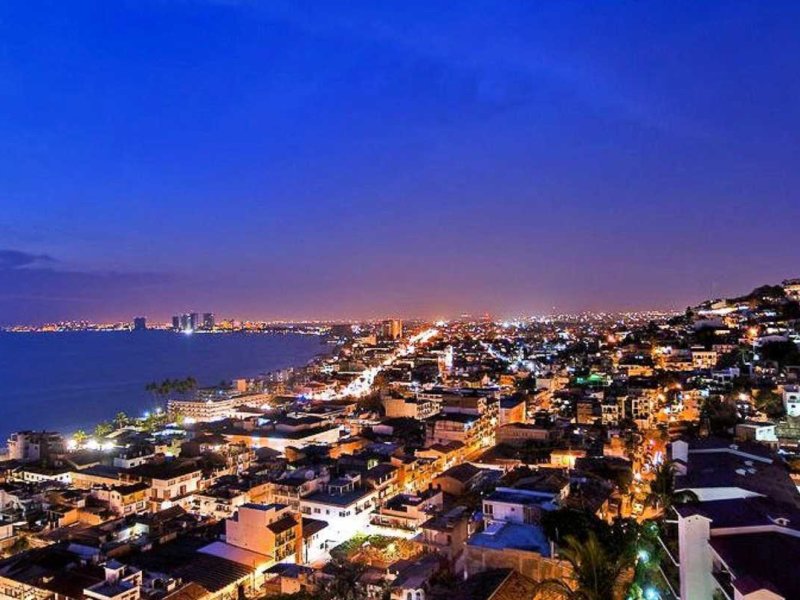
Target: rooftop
(765, 568)
(727, 469)
(282, 524)
(447, 521)
(501, 536)
(182, 558)
(463, 472)
(496, 584)
(166, 470)
(521, 497)
(742, 512)
(344, 499)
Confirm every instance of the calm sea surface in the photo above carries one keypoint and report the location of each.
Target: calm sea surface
(64, 381)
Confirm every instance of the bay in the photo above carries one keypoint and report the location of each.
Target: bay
(64, 381)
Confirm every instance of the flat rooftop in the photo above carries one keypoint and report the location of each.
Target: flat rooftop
(725, 470)
(761, 560)
(501, 536)
(742, 512)
(522, 498)
(345, 499)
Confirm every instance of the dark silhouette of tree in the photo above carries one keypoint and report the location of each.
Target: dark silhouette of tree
(121, 420)
(784, 353)
(770, 402)
(343, 582)
(662, 489)
(597, 574)
(719, 414)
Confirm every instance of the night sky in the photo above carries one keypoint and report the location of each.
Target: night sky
(293, 160)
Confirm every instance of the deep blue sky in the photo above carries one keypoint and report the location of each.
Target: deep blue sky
(291, 159)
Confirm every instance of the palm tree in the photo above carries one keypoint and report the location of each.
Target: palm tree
(121, 420)
(103, 429)
(187, 385)
(344, 583)
(596, 574)
(164, 388)
(662, 488)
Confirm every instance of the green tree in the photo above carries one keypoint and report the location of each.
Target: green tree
(343, 582)
(301, 595)
(372, 402)
(770, 402)
(103, 429)
(662, 489)
(21, 544)
(720, 415)
(121, 420)
(566, 523)
(597, 573)
(784, 353)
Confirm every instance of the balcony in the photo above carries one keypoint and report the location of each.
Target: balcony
(668, 536)
(724, 580)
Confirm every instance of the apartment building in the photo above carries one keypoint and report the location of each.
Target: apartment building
(170, 482)
(345, 504)
(410, 407)
(34, 446)
(272, 530)
(746, 501)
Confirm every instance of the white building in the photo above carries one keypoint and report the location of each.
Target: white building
(737, 548)
(33, 446)
(170, 482)
(121, 583)
(345, 504)
(791, 400)
(736, 539)
(703, 359)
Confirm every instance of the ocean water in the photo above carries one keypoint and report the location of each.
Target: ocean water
(65, 381)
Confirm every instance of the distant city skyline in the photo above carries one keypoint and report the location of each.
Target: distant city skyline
(264, 161)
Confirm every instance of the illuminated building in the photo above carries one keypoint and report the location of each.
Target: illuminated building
(792, 288)
(413, 408)
(392, 329)
(32, 446)
(273, 531)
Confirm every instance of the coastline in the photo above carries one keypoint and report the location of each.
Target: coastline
(75, 380)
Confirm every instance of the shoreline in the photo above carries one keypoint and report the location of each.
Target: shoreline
(103, 394)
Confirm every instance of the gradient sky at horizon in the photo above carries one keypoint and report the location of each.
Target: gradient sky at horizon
(335, 160)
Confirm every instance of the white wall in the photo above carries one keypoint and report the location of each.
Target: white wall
(695, 558)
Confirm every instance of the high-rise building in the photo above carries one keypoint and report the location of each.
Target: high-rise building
(139, 323)
(192, 322)
(392, 329)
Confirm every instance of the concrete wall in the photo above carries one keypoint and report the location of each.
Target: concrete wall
(695, 558)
